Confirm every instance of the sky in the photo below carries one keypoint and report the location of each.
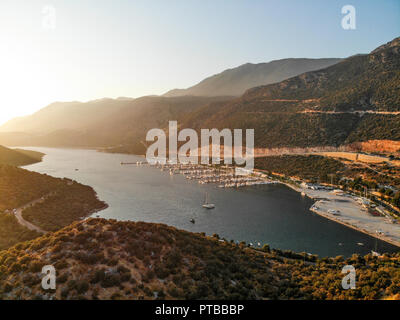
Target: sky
(80, 50)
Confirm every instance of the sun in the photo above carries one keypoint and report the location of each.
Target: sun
(26, 86)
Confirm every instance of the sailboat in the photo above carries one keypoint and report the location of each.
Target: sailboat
(376, 253)
(208, 205)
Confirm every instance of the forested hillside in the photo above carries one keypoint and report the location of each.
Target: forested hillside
(106, 259)
(18, 157)
(62, 201)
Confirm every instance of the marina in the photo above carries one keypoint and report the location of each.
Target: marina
(223, 176)
(332, 199)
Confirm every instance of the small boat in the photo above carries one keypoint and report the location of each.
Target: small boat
(208, 205)
(375, 254)
(360, 243)
(192, 221)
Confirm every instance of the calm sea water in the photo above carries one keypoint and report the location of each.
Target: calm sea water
(272, 214)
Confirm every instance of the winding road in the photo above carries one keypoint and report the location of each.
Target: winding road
(22, 221)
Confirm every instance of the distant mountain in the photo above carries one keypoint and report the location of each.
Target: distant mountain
(17, 157)
(361, 82)
(65, 115)
(234, 82)
(99, 123)
(357, 99)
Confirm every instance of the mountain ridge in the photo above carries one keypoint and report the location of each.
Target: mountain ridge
(235, 81)
(318, 107)
(354, 100)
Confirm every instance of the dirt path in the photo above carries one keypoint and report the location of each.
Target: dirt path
(22, 221)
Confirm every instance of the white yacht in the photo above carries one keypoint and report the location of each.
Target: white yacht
(375, 252)
(208, 205)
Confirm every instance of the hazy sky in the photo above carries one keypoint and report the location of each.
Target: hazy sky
(99, 48)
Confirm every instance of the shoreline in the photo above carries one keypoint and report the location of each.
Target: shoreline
(338, 220)
(349, 225)
(91, 213)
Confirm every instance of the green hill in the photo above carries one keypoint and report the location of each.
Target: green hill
(19, 157)
(106, 259)
(63, 201)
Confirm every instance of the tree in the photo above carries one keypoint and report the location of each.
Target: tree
(266, 248)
